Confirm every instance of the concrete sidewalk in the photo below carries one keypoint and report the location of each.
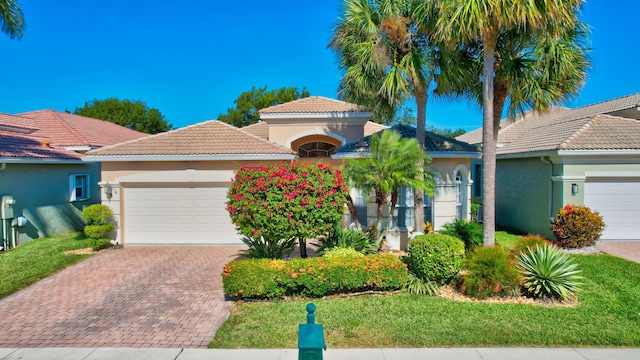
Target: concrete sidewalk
(331, 354)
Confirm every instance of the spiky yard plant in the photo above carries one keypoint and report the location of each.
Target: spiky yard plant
(548, 272)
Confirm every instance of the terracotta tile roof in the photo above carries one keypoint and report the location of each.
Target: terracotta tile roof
(208, 138)
(20, 146)
(260, 129)
(17, 123)
(314, 104)
(585, 128)
(371, 128)
(434, 143)
(74, 130)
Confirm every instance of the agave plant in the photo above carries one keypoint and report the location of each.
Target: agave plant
(548, 272)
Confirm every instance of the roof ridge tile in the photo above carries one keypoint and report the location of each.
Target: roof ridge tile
(564, 144)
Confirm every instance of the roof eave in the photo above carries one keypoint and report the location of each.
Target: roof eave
(10, 160)
(433, 155)
(219, 157)
(316, 115)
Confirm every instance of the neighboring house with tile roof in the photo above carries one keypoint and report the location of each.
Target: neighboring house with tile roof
(42, 168)
(171, 188)
(586, 156)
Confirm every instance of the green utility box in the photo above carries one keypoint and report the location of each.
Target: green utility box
(310, 337)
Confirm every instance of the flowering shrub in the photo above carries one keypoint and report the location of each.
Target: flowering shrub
(577, 226)
(313, 277)
(291, 200)
(490, 272)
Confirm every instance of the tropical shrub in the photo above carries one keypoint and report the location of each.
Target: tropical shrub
(291, 200)
(97, 231)
(469, 232)
(261, 248)
(340, 237)
(490, 271)
(435, 257)
(341, 252)
(547, 272)
(97, 214)
(577, 226)
(529, 242)
(98, 217)
(312, 277)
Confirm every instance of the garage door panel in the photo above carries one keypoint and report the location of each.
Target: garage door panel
(618, 201)
(177, 214)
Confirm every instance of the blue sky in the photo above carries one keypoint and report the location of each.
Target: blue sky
(190, 59)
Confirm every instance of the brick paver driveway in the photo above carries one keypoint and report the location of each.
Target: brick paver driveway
(131, 297)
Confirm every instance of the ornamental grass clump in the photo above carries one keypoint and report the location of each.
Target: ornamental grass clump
(547, 272)
(435, 257)
(577, 226)
(340, 237)
(490, 271)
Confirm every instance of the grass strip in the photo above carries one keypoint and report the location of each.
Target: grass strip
(37, 259)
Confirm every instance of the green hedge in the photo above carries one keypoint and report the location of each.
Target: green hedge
(313, 277)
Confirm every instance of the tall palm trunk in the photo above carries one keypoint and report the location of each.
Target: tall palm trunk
(421, 119)
(489, 40)
(499, 98)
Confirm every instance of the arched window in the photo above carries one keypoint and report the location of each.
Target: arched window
(316, 149)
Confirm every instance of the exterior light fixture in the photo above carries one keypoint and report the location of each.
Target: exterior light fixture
(574, 189)
(108, 191)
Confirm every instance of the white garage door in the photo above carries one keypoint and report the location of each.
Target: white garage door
(177, 215)
(618, 201)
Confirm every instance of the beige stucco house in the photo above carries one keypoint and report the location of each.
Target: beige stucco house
(584, 156)
(171, 188)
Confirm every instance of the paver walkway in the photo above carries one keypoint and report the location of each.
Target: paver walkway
(161, 297)
(629, 250)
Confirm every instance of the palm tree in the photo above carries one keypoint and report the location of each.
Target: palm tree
(11, 18)
(393, 162)
(384, 55)
(462, 21)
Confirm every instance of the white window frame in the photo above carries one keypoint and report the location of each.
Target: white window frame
(459, 195)
(76, 184)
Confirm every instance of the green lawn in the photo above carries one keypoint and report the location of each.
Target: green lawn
(38, 259)
(608, 315)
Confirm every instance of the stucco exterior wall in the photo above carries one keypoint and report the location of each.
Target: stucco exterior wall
(42, 196)
(523, 195)
(577, 174)
(345, 131)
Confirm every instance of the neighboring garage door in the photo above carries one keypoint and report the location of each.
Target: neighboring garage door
(618, 201)
(177, 214)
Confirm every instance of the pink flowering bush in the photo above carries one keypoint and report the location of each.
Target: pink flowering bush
(291, 200)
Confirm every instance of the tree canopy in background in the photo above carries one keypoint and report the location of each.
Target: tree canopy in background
(249, 102)
(134, 115)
